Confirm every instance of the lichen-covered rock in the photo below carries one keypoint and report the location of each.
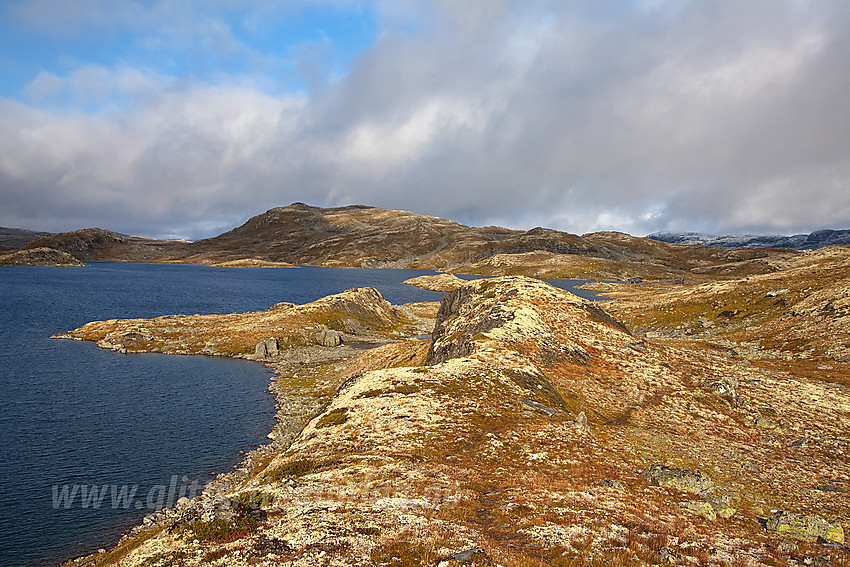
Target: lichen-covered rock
(546, 410)
(721, 506)
(668, 556)
(723, 386)
(439, 282)
(612, 483)
(804, 526)
(700, 507)
(328, 338)
(499, 310)
(686, 480)
(474, 557)
(481, 448)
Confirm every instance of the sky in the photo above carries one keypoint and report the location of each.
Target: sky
(184, 118)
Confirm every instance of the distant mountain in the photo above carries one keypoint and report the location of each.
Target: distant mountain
(817, 239)
(370, 237)
(17, 238)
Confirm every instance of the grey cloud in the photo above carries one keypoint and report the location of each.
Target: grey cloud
(714, 115)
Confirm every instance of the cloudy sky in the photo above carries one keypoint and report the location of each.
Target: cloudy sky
(183, 118)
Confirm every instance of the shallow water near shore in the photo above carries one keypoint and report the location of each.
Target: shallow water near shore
(130, 432)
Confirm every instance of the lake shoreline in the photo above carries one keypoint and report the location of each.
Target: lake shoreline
(293, 412)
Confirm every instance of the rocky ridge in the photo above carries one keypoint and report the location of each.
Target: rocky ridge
(811, 241)
(533, 429)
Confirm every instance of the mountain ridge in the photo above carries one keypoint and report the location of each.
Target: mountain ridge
(811, 241)
(363, 236)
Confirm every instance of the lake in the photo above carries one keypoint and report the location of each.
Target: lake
(131, 431)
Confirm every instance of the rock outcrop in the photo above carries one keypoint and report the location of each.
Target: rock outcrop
(804, 526)
(693, 481)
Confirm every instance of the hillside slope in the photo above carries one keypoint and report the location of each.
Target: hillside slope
(799, 314)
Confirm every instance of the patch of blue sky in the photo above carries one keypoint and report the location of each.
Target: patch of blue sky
(274, 50)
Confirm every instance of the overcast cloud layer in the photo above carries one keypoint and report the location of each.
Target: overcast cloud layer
(715, 116)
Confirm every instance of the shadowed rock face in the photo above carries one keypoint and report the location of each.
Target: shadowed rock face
(516, 436)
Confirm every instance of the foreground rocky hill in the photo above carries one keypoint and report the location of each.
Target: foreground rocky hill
(532, 428)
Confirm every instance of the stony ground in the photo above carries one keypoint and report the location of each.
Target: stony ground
(533, 428)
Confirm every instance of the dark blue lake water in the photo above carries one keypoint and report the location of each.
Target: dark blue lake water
(72, 414)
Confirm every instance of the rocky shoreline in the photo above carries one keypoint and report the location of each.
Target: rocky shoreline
(295, 404)
(533, 427)
(294, 410)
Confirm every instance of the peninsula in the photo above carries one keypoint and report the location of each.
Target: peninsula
(696, 424)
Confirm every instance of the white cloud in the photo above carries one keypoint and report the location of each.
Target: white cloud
(708, 116)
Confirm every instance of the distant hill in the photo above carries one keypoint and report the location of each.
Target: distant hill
(16, 238)
(100, 245)
(370, 237)
(817, 239)
(361, 236)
